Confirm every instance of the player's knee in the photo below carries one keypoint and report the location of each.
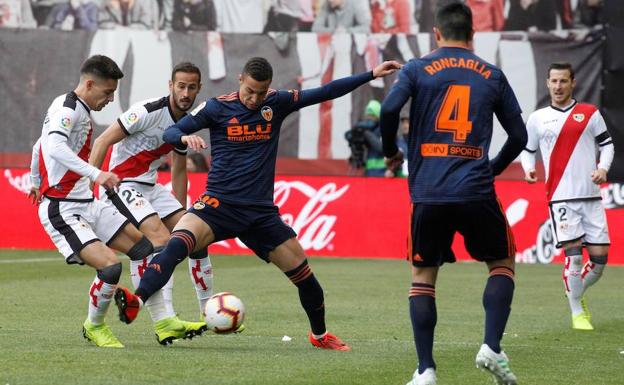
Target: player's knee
(181, 243)
(155, 231)
(573, 250)
(141, 249)
(575, 257)
(599, 259)
(110, 274)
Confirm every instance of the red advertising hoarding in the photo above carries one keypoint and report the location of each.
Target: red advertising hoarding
(342, 216)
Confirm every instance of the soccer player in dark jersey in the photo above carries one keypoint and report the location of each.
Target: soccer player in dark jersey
(238, 202)
(454, 95)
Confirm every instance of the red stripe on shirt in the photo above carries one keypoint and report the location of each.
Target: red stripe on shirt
(140, 163)
(69, 180)
(566, 142)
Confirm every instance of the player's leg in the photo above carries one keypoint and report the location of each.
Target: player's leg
(108, 269)
(593, 269)
(68, 225)
(430, 236)
(135, 206)
(596, 240)
(488, 238)
(145, 205)
(200, 266)
(290, 258)
(190, 234)
(566, 220)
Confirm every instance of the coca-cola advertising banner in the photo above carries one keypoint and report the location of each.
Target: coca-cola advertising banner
(342, 216)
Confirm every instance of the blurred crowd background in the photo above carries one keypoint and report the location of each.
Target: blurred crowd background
(262, 16)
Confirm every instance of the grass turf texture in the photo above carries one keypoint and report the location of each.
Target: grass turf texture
(43, 304)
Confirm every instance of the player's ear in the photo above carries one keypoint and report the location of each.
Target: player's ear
(437, 34)
(240, 79)
(170, 85)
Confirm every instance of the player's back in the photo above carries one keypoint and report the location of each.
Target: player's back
(454, 96)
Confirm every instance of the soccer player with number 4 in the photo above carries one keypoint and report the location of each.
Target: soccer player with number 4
(454, 96)
(568, 134)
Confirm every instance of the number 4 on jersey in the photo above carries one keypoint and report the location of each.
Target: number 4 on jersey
(453, 114)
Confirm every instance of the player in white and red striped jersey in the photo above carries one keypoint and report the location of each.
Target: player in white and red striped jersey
(570, 135)
(81, 227)
(137, 152)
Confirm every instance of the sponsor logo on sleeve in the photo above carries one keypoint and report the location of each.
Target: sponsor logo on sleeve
(132, 118)
(65, 122)
(198, 108)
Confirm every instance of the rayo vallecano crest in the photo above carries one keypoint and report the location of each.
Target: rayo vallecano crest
(267, 113)
(578, 117)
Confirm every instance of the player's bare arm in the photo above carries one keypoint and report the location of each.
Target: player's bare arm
(34, 195)
(395, 161)
(113, 134)
(386, 68)
(194, 142)
(179, 179)
(599, 176)
(530, 176)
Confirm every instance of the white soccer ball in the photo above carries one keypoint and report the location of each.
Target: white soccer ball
(224, 312)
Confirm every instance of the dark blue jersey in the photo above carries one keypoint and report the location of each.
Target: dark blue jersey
(454, 96)
(244, 142)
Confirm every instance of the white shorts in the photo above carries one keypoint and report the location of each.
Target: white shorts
(585, 220)
(74, 225)
(139, 202)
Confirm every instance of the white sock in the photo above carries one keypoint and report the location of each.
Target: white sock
(573, 282)
(160, 304)
(201, 276)
(591, 274)
(100, 295)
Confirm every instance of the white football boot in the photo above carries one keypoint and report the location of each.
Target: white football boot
(428, 377)
(497, 364)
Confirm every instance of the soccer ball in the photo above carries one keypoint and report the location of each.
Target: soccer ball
(224, 313)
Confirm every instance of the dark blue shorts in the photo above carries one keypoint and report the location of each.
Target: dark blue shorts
(259, 227)
(483, 225)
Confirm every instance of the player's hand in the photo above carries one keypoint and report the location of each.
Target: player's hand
(530, 176)
(386, 68)
(389, 173)
(599, 176)
(108, 180)
(394, 162)
(194, 142)
(34, 195)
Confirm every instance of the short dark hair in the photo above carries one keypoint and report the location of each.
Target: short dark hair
(259, 69)
(561, 66)
(102, 67)
(186, 67)
(454, 21)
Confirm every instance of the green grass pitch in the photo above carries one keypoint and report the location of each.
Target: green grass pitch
(43, 303)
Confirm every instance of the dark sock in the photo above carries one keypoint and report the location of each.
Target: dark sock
(497, 298)
(311, 296)
(160, 269)
(424, 317)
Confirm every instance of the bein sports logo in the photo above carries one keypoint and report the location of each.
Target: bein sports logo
(314, 229)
